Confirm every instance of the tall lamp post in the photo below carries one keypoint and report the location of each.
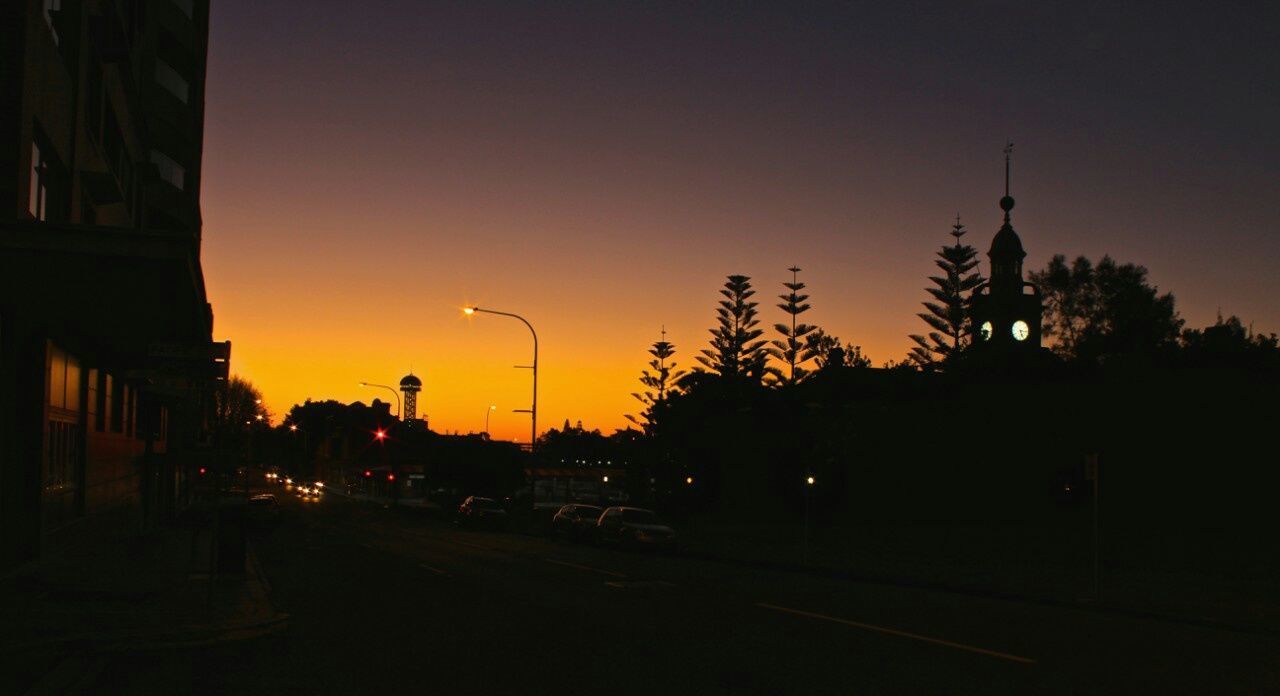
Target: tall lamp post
(487, 412)
(533, 410)
(393, 393)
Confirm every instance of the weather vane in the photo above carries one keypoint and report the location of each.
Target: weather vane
(1008, 150)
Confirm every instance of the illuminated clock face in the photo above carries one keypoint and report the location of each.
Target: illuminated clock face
(1021, 330)
(985, 331)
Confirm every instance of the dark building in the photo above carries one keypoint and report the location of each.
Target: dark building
(106, 357)
(1006, 310)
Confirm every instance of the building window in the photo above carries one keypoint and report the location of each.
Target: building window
(91, 403)
(169, 169)
(169, 78)
(64, 380)
(118, 404)
(51, 10)
(93, 97)
(38, 206)
(106, 416)
(88, 214)
(129, 397)
(46, 200)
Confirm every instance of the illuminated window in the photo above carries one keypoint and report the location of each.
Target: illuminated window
(64, 380)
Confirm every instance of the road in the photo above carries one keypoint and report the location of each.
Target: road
(388, 601)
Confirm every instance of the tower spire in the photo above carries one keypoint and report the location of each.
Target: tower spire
(1006, 203)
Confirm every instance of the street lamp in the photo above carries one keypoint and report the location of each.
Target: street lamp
(490, 410)
(808, 505)
(393, 392)
(532, 410)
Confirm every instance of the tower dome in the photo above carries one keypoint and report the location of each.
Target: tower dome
(410, 385)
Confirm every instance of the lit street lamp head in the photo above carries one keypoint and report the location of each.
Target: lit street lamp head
(468, 310)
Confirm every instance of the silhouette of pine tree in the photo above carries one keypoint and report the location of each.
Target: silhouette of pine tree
(791, 348)
(948, 316)
(736, 349)
(659, 383)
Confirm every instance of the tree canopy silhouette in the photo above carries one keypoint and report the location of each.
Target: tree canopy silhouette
(823, 347)
(1096, 312)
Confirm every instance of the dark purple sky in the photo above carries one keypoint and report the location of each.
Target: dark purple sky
(619, 159)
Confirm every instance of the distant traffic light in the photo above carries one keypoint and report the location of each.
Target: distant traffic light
(367, 473)
(391, 477)
(203, 471)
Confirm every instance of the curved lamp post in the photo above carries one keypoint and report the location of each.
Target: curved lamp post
(487, 412)
(393, 392)
(533, 410)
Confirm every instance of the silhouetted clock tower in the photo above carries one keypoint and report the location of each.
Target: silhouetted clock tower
(1006, 310)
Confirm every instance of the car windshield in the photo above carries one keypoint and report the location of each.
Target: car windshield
(639, 516)
(588, 512)
(485, 503)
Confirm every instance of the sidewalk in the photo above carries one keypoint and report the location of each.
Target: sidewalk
(111, 588)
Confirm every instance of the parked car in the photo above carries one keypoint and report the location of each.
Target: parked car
(477, 511)
(633, 526)
(575, 520)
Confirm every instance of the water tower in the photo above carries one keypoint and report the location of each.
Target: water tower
(410, 385)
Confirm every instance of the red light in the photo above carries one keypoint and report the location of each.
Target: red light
(381, 434)
(391, 477)
(367, 473)
(203, 471)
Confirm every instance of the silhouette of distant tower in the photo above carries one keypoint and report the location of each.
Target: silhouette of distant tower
(410, 385)
(1006, 310)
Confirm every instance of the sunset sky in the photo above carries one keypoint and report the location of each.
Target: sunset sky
(598, 167)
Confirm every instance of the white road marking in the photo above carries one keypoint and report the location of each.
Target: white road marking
(586, 568)
(903, 634)
(638, 584)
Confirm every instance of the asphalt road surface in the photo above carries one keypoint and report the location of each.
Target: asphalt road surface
(388, 601)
